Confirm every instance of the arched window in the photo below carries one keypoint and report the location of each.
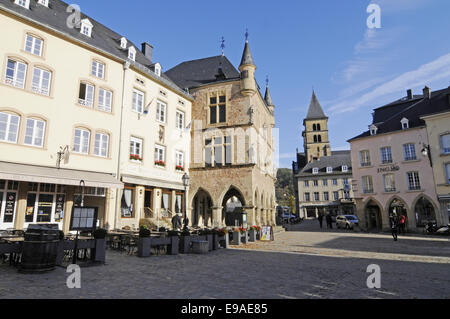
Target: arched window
(315, 138)
(314, 127)
(9, 127)
(81, 141)
(35, 132)
(319, 139)
(318, 127)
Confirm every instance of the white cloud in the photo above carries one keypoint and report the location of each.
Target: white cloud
(426, 74)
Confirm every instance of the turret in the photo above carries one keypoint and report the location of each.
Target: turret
(268, 97)
(247, 68)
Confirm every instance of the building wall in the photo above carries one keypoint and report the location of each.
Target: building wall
(438, 125)
(383, 199)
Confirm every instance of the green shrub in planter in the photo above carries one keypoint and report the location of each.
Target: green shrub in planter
(100, 233)
(144, 232)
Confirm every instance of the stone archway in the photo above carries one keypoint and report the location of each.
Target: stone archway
(233, 204)
(373, 216)
(202, 209)
(424, 211)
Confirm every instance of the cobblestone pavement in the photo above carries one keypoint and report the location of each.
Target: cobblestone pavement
(300, 264)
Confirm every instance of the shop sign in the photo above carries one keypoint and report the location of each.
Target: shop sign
(267, 233)
(393, 168)
(84, 218)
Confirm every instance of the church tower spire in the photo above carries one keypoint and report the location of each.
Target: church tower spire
(268, 97)
(247, 69)
(315, 135)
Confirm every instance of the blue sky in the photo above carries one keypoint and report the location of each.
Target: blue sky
(299, 44)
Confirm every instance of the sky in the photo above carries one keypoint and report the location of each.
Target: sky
(301, 45)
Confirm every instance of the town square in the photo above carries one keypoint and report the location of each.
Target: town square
(253, 151)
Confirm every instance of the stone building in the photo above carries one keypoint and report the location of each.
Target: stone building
(322, 178)
(392, 167)
(232, 167)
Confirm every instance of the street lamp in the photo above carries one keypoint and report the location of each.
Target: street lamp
(186, 185)
(426, 151)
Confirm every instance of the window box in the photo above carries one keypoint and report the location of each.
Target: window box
(179, 168)
(160, 163)
(135, 157)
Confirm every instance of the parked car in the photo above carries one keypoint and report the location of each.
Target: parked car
(347, 221)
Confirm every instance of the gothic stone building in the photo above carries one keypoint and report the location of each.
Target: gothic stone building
(232, 169)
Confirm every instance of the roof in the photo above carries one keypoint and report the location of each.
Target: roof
(315, 111)
(268, 97)
(247, 58)
(55, 17)
(388, 118)
(336, 161)
(199, 72)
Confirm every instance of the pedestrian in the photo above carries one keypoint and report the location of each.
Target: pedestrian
(402, 224)
(320, 218)
(394, 226)
(329, 221)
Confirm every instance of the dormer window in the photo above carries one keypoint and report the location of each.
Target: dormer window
(132, 53)
(315, 170)
(123, 43)
(344, 168)
(405, 123)
(158, 69)
(329, 170)
(373, 130)
(86, 27)
(23, 3)
(43, 2)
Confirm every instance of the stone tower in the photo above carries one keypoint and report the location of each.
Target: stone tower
(247, 69)
(315, 135)
(268, 98)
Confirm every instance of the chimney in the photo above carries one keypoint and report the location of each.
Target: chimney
(147, 49)
(426, 92)
(410, 94)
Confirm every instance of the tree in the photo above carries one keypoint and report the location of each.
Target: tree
(284, 187)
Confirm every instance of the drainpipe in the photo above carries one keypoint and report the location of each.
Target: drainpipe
(126, 66)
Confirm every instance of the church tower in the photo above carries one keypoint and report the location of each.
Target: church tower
(315, 135)
(247, 68)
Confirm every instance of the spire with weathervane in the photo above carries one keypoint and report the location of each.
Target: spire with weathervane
(268, 97)
(247, 68)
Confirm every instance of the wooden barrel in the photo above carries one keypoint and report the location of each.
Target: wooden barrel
(40, 248)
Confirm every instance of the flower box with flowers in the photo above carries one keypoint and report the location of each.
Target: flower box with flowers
(253, 233)
(160, 163)
(179, 168)
(135, 157)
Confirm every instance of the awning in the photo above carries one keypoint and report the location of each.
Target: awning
(152, 182)
(50, 175)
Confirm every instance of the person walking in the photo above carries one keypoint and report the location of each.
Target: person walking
(394, 225)
(320, 218)
(402, 224)
(329, 221)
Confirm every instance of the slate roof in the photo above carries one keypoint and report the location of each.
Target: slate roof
(196, 73)
(388, 118)
(55, 17)
(336, 160)
(247, 57)
(268, 97)
(315, 111)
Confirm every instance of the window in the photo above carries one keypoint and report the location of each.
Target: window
(23, 3)
(365, 158)
(123, 43)
(335, 182)
(315, 170)
(104, 100)
(33, 45)
(405, 123)
(126, 206)
(326, 196)
(413, 181)
(161, 112)
(345, 181)
(180, 120)
(325, 182)
(86, 27)
(317, 196)
(158, 69)
(160, 155)
(329, 170)
(367, 184)
(316, 183)
(34, 134)
(445, 141)
(307, 197)
(135, 149)
(373, 130)
(336, 196)
(43, 2)
(217, 107)
(306, 183)
(98, 69)
(132, 53)
(165, 204)
(386, 155)
(41, 81)
(81, 141)
(15, 73)
(101, 144)
(344, 168)
(9, 127)
(389, 183)
(409, 151)
(179, 159)
(138, 101)
(86, 96)
(447, 168)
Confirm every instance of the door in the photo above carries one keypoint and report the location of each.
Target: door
(8, 203)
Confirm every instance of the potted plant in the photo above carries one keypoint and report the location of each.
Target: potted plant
(144, 243)
(253, 233)
(135, 157)
(100, 233)
(237, 236)
(160, 163)
(244, 235)
(179, 168)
